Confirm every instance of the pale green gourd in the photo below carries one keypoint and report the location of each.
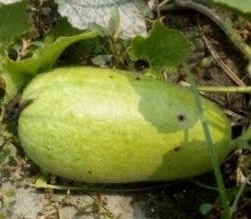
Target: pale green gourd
(109, 126)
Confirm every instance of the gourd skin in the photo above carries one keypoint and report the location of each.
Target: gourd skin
(107, 126)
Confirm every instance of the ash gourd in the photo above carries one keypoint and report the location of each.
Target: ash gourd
(109, 126)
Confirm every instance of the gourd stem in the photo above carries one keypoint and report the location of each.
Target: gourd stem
(225, 89)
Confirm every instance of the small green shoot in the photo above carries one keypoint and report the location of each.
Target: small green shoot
(206, 208)
(114, 46)
(113, 24)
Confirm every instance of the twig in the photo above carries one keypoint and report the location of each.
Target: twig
(235, 115)
(222, 64)
(158, 9)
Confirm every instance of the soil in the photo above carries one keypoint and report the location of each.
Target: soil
(172, 200)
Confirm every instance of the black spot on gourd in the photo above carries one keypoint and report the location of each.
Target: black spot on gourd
(177, 148)
(181, 118)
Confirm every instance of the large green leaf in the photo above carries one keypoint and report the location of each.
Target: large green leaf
(241, 6)
(17, 73)
(45, 57)
(13, 22)
(163, 48)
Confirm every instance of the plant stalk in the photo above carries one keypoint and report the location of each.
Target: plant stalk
(211, 149)
(246, 89)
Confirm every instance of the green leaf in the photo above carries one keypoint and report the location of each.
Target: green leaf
(49, 51)
(62, 28)
(205, 208)
(17, 73)
(45, 57)
(13, 22)
(240, 6)
(163, 48)
(13, 83)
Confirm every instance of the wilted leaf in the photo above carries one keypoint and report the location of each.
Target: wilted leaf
(163, 48)
(81, 13)
(13, 22)
(241, 6)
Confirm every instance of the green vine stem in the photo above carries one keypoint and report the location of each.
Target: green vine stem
(211, 149)
(246, 89)
(237, 198)
(41, 183)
